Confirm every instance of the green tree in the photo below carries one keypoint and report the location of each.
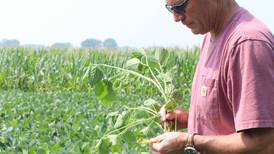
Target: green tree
(61, 45)
(91, 43)
(110, 43)
(10, 43)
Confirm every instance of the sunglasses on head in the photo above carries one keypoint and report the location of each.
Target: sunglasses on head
(178, 8)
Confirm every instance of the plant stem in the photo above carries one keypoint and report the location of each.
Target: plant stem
(157, 81)
(142, 108)
(125, 128)
(157, 84)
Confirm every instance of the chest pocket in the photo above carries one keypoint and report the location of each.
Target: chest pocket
(208, 99)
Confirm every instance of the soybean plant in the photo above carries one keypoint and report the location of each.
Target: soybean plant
(148, 68)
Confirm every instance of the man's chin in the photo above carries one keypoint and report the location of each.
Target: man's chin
(197, 32)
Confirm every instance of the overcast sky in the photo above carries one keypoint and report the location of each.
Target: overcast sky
(138, 23)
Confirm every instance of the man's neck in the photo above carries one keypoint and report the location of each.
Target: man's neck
(227, 8)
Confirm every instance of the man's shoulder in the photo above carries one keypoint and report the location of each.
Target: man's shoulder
(248, 27)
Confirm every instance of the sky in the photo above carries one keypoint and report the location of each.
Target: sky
(135, 23)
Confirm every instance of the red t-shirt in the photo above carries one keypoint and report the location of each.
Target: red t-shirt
(233, 87)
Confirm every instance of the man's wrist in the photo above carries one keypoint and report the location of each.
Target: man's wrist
(190, 147)
(193, 140)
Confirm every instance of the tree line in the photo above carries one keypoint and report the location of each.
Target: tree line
(88, 43)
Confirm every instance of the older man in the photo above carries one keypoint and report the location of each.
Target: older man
(232, 98)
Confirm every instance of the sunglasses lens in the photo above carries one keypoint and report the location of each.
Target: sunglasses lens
(180, 8)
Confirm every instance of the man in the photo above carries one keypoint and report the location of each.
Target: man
(232, 97)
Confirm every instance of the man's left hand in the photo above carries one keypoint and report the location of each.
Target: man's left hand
(169, 143)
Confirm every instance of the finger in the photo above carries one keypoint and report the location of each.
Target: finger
(174, 115)
(158, 138)
(159, 147)
(153, 140)
(156, 147)
(178, 111)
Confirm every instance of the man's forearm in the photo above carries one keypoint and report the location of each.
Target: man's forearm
(256, 141)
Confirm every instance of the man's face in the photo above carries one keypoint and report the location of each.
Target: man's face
(198, 15)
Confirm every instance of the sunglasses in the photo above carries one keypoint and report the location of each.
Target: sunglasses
(178, 8)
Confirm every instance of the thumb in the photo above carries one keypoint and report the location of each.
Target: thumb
(157, 139)
(170, 116)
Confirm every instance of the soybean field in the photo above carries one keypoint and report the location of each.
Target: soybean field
(89, 101)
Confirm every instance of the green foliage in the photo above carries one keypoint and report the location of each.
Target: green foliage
(9, 43)
(61, 45)
(110, 43)
(91, 43)
(154, 73)
(59, 101)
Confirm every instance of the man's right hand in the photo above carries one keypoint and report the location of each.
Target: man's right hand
(179, 114)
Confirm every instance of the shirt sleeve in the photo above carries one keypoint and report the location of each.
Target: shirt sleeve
(251, 84)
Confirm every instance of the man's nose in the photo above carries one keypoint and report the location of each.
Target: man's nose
(178, 16)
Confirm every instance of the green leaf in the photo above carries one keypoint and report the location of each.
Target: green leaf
(76, 126)
(112, 114)
(85, 148)
(139, 54)
(116, 148)
(169, 89)
(132, 62)
(120, 120)
(110, 92)
(129, 137)
(25, 151)
(114, 139)
(145, 130)
(162, 56)
(96, 75)
(170, 106)
(153, 64)
(104, 146)
(116, 145)
(167, 77)
(86, 73)
(142, 51)
(32, 150)
(100, 90)
(151, 102)
(178, 96)
(103, 90)
(106, 103)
